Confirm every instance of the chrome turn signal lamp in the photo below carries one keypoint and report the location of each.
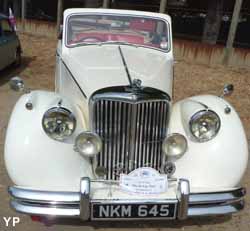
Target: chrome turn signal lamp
(175, 146)
(88, 144)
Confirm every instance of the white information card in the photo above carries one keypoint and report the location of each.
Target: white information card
(144, 181)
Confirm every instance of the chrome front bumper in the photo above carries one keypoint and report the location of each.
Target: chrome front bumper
(78, 204)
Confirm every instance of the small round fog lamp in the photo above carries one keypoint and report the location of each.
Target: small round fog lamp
(88, 144)
(175, 145)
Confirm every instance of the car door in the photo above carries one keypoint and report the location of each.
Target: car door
(11, 41)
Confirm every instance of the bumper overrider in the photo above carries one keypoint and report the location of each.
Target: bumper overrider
(80, 204)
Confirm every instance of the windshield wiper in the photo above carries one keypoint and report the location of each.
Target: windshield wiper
(125, 66)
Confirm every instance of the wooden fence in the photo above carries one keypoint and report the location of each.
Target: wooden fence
(209, 54)
(37, 27)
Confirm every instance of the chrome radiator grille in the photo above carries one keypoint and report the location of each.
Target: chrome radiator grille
(132, 134)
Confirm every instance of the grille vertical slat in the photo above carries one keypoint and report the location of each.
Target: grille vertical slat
(132, 134)
(99, 127)
(153, 139)
(157, 137)
(116, 136)
(106, 134)
(111, 138)
(164, 120)
(136, 135)
(119, 131)
(123, 138)
(161, 111)
(142, 119)
(149, 130)
(127, 136)
(144, 147)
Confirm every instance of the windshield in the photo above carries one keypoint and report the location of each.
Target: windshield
(102, 29)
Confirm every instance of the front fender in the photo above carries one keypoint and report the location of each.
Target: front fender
(220, 162)
(35, 160)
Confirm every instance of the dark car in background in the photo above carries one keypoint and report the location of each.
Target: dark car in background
(10, 47)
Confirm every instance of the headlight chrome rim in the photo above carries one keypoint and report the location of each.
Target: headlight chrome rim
(197, 116)
(177, 155)
(88, 135)
(67, 115)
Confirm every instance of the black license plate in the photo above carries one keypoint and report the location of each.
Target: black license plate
(151, 211)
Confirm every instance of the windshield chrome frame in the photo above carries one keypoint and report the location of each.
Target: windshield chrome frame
(116, 14)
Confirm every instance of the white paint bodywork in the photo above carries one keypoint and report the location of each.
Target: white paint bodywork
(33, 160)
(101, 67)
(220, 162)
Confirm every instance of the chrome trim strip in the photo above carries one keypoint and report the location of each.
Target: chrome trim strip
(214, 210)
(216, 197)
(142, 201)
(73, 78)
(74, 197)
(44, 196)
(77, 204)
(39, 210)
(129, 94)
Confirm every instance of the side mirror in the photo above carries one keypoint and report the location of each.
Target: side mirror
(17, 84)
(228, 89)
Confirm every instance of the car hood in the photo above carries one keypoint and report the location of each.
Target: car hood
(95, 67)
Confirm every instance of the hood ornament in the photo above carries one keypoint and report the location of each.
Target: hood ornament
(137, 84)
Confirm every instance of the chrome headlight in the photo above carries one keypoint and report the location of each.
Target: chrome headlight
(175, 145)
(59, 123)
(88, 144)
(204, 125)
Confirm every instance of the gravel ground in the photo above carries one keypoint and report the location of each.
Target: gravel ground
(38, 72)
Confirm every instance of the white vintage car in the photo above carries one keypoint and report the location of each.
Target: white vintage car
(109, 143)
